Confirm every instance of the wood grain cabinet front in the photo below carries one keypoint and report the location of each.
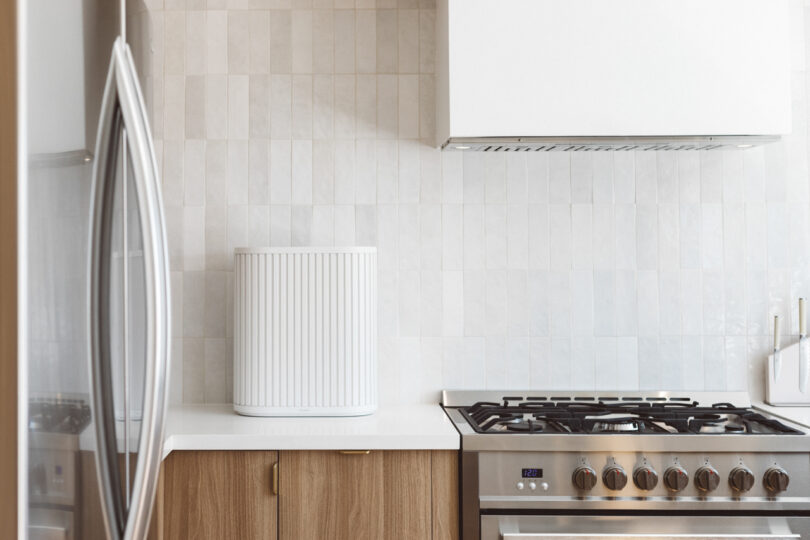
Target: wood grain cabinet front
(335, 495)
(220, 495)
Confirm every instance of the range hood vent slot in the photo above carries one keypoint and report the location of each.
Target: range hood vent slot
(604, 144)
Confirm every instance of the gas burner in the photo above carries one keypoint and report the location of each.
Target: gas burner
(617, 416)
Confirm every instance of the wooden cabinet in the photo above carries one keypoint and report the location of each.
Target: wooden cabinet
(337, 495)
(219, 495)
(378, 495)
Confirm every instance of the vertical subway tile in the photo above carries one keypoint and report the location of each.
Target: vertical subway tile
(344, 41)
(238, 109)
(259, 106)
(386, 33)
(301, 189)
(216, 107)
(280, 106)
(323, 41)
(238, 42)
(280, 41)
(302, 105)
(301, 34)
(259, 42)
(280, 172)
(216, 45)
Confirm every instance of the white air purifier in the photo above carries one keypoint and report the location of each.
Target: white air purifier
(305, 331)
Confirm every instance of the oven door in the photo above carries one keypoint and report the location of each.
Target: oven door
(640, 527)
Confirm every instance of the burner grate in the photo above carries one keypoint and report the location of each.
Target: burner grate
(629, 416)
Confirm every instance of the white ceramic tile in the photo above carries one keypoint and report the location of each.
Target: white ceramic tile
(517, 236)
(194, 238)
(559, 226)
(667, 172)
(495, 227)
(713, 303)
(258, 171)
(494, 178)
(302, 107)
(430, 180)
(365, 172)
(605, 363)
(280, 106)
(195, 43)
(216, 107)
(215, 359)
(366, 106)
(217, 256)
(216, 45)
(238, 106)
(711, 177)
(427, 41)
(259, 107)
(300, 225)
(688, 177)
(627, 362)
(475, 323)
(366, 41)
(430, 236)
(408, 40)
(582, 172)
(690, 235)
(324, 44)
(281, 225)
(238, 42)
(603, 178)
(365, 226)
(409, 254)
(430, 304)
(582, 236)
(215, 285)
(559, 177)
(539, 236)
(344, 41)
(387, 106)
(516, 178)
(560, 373)
(582, 303)
(452, 303)
(668, 237)
(537, 171)
(216, 172)
(237, 172)
(647, 237)
(625, 220)
(624, 177)
(301, 172)
(582, 363)
(259, 42)
(193, 304)
(604, 232)
(345, 89)
(604, 303)
(691, 302)
(193, 361)
(408, 174)
(344, 225)
(386, 32)
(626, 303)
(280, 41)
(258, 226)
(194, 173)
(559, 294)
(733, 178)
(344, 172)
(735, 306)
(387, 237)
(712, 236)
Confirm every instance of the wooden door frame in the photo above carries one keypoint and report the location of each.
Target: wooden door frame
(8, 269)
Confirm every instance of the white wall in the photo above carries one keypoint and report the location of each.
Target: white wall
(312, 126)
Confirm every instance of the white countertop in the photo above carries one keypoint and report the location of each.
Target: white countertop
(799, 415)
(218, 427)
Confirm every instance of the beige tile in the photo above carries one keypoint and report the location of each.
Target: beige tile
(174, 5)
(216, 107)
(344, 106)
(366, 41)
(174, 236)
(259, 171)
(387, 39)
(344, 50)
(174, 42)
(158, 111)
(344, 172)
(280, 172)
(216, 4)
(323, 107)
(427, 41)
(301, 172)
(216, 368)
(259, 107)
(407, 4)
(215, 283)
(238, 93)
(387, 106)
(193, 240)
(344, 4)
(366, 107)
(323, 172)
(324, 4)
(237, 172)
(409, 106)
(216, 237)
(260, 42)
(302, 106)
(193, 371)
(239, 42)
(301, 27)
(217, 42)
(174, 108)
(427, 4)
(386, 4)
(408, 37)
(323, 41)
(258, 226)
(194, 173)
(280, 218)
(301, 226)
(236, 4)
(237, 230)
(280, 42)
(427, 108)
(280, 106)
(195, 107)
(365, 4)
(173, 173)
(216, 173)
(196, 33)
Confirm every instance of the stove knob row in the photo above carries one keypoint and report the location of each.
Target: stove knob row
(741, 479)
(707, 478)
(645, 478)
(676, 478)
(614, 477)
(584, 478)
(776, 479)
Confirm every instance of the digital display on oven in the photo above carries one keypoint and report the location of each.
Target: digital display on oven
(532, 473)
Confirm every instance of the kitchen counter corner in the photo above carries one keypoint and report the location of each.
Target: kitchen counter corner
(396, 427)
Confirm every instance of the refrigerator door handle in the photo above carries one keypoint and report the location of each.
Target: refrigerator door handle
(123, 109)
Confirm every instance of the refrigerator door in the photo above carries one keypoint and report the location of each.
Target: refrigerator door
(129, 309)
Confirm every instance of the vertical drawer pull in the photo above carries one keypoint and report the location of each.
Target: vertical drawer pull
(275, 478)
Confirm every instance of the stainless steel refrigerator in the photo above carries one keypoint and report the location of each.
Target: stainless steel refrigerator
(95, 302)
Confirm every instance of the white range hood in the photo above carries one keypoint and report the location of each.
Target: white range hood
(611, 74)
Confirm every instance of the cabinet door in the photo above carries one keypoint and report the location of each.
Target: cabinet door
(220, 495)
(350, 496)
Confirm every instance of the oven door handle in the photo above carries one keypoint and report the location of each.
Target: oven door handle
(572, 536)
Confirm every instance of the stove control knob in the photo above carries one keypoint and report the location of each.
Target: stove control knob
(584, 478)
(776, 479)
(676, 478)
(645, 478)
(520, 485)
(707, 478)
(614, 477)
(741, 479)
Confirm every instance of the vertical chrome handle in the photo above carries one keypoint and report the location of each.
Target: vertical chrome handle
(123, 107)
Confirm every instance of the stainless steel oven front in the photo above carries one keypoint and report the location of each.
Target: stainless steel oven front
(642, 526)
(530, 495)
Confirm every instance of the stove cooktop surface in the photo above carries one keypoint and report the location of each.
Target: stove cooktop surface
(659, 414)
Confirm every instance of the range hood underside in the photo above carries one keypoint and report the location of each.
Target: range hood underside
(606, 144)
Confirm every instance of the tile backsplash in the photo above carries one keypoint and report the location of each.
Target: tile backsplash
(310, 122)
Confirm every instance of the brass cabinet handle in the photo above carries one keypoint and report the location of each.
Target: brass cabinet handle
(355, 452)
(275, 478)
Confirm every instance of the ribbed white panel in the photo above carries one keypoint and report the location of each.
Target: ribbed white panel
(305, 331)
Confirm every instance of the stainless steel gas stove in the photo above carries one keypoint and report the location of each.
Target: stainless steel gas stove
(537, 465)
